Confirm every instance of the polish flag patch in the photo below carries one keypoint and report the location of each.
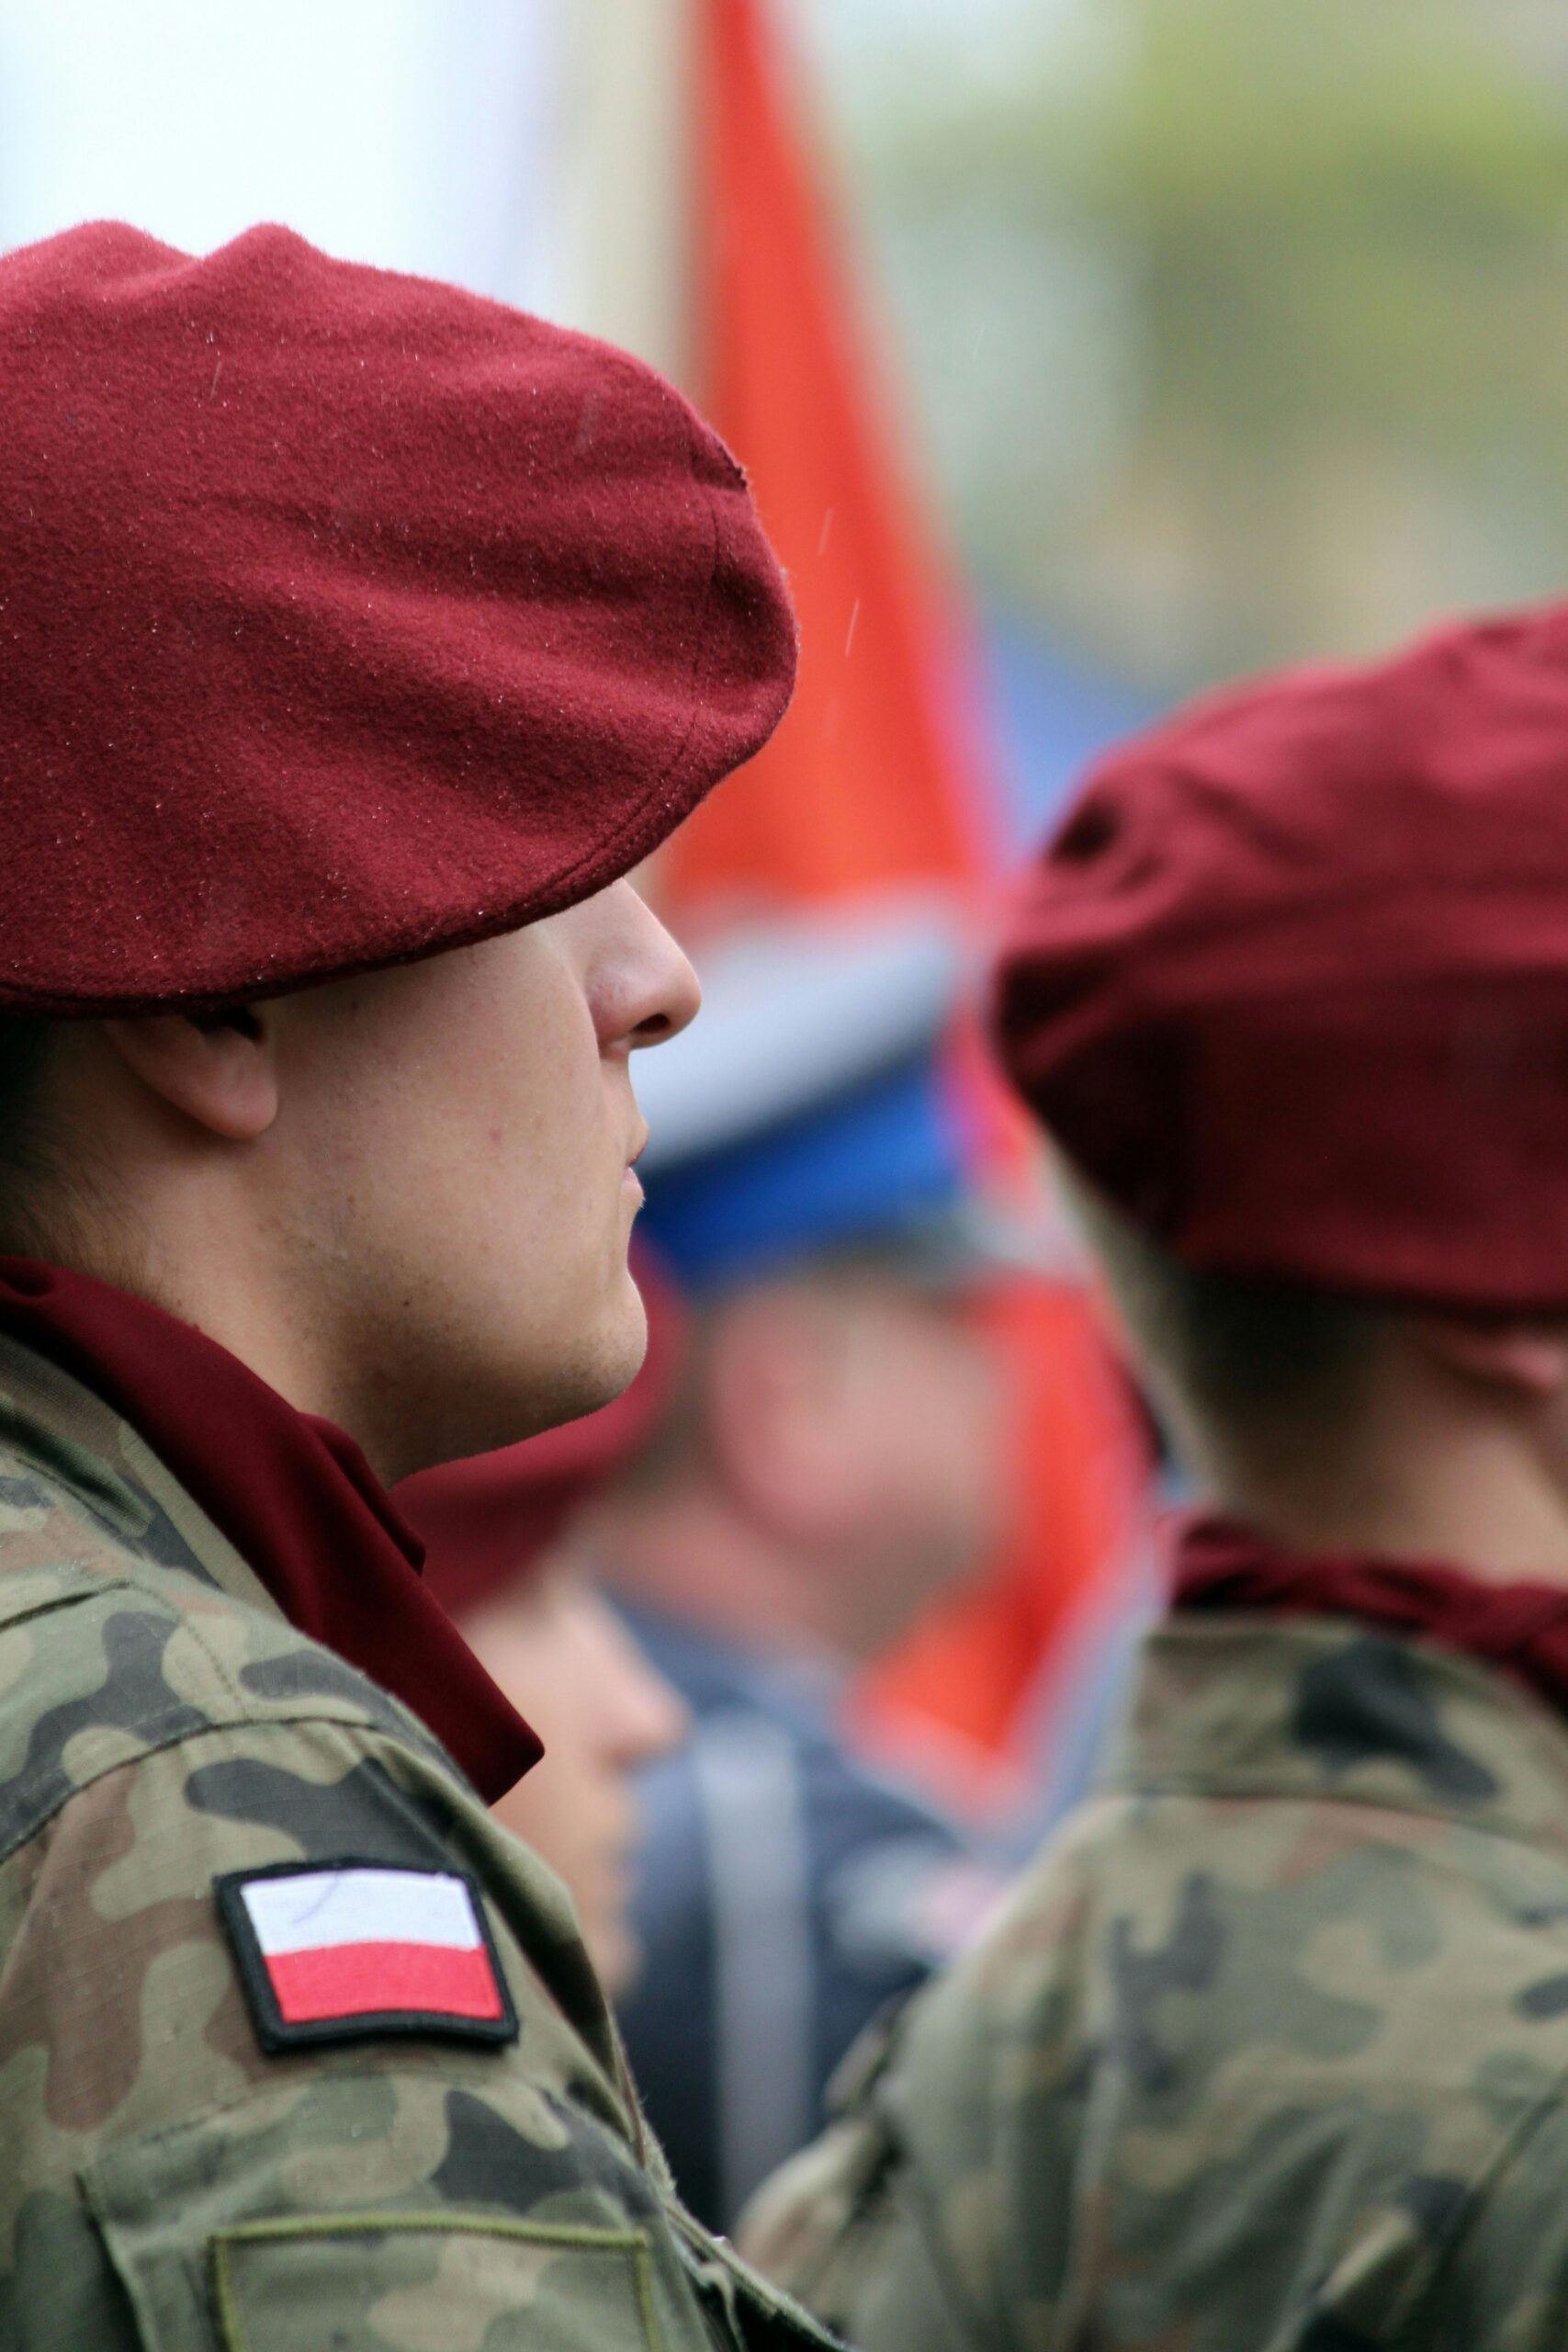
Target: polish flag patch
(334, 1952)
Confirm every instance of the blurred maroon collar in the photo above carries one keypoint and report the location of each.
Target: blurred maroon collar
(1521, 1627)
(294, 1495)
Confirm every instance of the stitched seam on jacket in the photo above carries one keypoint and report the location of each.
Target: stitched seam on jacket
(583, 2235)
(1447, 2248)
(255, 1719)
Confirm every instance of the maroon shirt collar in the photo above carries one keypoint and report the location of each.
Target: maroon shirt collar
(1521, 1626)
(294, 1495)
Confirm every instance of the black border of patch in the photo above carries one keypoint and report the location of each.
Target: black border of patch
(273, 2030)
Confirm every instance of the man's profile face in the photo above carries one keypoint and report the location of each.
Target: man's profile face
(452, 1154)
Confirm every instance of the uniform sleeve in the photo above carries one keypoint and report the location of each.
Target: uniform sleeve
(889, 2227)
(186, 2187)
(1499, 2273)
(934, 2213)
(844, 2228)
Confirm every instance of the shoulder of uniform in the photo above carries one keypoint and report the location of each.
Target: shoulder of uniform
(1151, 1936)
(106, 1655)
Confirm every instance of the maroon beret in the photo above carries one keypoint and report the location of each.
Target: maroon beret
(345, 617)
(1289, 983)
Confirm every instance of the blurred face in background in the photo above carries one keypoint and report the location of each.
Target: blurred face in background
(862, 1421)
(567, 1664)
(840, 1458)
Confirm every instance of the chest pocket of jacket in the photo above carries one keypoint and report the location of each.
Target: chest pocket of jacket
(285, 2225)
(466, 2283)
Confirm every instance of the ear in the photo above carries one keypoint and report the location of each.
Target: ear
(778, 1417)
(218, 1069)
(1529, 1358)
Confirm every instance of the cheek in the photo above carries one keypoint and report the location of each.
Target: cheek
(521, 1652)
(515, 1162)
(544, 1132)
(942, 1448)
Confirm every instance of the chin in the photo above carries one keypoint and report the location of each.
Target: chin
(586, 1369)
(606, 1360)
(489, 1400)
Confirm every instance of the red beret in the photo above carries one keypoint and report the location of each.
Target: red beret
(1289, 983)
(346, 618)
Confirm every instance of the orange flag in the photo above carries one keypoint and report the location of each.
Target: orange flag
(879, 777)
(874, 778)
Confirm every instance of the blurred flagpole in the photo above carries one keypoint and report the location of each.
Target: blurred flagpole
(697, 229)
(621, 179)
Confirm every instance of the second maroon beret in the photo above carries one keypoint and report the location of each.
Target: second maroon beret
(346, 616)
(1290, 984)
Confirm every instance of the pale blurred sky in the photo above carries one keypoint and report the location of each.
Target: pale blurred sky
(416, 134)
(391, 130)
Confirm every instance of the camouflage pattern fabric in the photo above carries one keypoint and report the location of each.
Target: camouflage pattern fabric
(166, 2184)
(1268, 2051)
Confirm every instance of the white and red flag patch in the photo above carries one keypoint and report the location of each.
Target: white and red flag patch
(328, 1951)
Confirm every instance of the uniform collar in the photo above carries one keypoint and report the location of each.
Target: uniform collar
(138, 1412)
(1238, 1700)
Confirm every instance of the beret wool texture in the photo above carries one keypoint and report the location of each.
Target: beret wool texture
(345, 617)
(1290, 982)
(488, 1523)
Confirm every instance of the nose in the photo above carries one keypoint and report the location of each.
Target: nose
(643, 1716)
(654, 992)
(680, 991)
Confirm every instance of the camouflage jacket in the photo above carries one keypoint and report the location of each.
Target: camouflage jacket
(167, 2181)
(1269, 2049)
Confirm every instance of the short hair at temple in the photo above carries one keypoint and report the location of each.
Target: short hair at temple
(30, 1175)
(1250, 1360)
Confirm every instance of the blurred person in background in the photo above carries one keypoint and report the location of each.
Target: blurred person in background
(1271, 2045)
(832, 1456)
(500, 1557)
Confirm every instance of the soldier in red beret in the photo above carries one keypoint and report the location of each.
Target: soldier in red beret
(1270, 2047)
(357, 637)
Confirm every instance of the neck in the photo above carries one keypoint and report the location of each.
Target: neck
(211, 1267)
(1461, 1485)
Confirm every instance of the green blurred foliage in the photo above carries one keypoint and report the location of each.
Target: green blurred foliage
(1239, 325)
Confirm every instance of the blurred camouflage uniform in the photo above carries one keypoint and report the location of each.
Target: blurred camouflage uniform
(166, 2182)
(1269, 2049)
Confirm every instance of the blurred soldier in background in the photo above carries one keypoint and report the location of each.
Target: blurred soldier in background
(1271, 2047)
(501, 1558)
(832, 1457)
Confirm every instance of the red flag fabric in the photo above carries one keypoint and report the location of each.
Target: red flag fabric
(879, 777)
(876, 781)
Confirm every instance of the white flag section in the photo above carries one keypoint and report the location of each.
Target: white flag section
(358, 1940)
(621, 175)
